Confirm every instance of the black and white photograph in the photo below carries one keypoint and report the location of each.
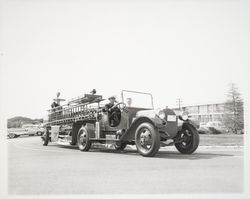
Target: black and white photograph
(135, 99)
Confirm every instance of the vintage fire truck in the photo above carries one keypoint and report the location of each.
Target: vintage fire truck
(83, 121)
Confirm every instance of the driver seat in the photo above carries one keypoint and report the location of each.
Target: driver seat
(114, 118)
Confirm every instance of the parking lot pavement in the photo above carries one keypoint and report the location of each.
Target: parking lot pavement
(36, 169)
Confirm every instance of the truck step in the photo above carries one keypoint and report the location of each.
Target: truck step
(103, 139)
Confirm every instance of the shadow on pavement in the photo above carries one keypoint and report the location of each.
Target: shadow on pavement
(22, 137)
(194, 156)
(161, 154)
(172, 154)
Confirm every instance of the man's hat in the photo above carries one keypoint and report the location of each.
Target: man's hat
(112, 97)
(57, 99)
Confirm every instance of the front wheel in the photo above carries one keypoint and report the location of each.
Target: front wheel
(147, 139)
(189, 139)
(12, 135)
(83, 141)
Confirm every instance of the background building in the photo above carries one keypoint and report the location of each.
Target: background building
(205, 112)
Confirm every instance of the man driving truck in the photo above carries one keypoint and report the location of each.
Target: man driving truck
(114, 112)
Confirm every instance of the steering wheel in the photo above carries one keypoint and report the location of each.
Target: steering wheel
(121, 105)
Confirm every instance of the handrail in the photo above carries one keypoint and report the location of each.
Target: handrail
(73, 112)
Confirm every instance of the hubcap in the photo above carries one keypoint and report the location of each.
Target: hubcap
(82, 139)
(145, 140)
(186, 138)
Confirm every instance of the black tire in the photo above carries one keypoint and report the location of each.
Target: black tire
(75, 130)
(45, 138)
(146, 134)
(191, 139)
(39, 133)
(12, 135)
(119, 146)
(83, 141)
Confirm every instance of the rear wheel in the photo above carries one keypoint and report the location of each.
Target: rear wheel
(147, 140)
(83, 141)
(45, 138)
(189, 139)
(119, 145)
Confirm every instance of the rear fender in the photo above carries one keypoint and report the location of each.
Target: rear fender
(75, 128)
(90, 127)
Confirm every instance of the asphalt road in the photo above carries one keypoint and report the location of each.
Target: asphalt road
(36, 169)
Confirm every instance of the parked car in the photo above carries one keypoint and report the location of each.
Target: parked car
(26, 129)
(33, 129)
(15, 132)
(203, 129)
(214, 127)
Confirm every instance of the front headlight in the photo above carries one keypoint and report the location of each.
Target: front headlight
(161, 115)
(184, 115)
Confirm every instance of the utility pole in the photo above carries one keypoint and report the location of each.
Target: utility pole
(179, 102)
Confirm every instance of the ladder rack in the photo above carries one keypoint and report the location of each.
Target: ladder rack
(77, 109)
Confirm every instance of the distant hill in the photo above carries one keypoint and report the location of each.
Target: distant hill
(17, 122)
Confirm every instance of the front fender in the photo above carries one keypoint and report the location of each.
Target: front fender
(157, 122)
(191, 122)
(130, 133)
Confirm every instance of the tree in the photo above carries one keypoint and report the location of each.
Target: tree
(234, 110)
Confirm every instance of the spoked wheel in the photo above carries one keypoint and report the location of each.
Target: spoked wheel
(189, 139)
(83, 141)
(147, 140)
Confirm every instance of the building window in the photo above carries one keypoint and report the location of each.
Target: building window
(210, 108)
(203, 109)
(220, 108)
(192, 109)
(215, 108)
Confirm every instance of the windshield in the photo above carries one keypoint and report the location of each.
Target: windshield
(137, 99)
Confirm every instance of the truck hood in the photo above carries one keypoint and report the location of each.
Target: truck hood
(147, 113)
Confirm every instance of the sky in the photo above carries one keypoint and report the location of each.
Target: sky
(173, 49)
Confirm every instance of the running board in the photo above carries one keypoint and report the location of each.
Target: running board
(103, 139)
(63, 143)
(167, 143)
